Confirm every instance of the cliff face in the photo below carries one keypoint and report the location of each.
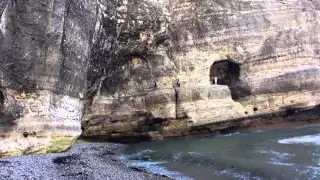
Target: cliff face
(146, 68)
(44, 52)
(265, 55)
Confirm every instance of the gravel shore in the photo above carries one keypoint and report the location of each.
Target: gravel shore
(84, 161)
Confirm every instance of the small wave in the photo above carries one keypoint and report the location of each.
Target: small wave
(230, 134)
(146, 151)
(315, 171)
(194, 153)
(312, 172)
(153, 167)
(176, 156)
(236, 175)
(233, 134)
(180, 155)
(310, 139)
(277, 157)
(142, 155)
(194, 158)
(259, 131)
(281, 164)
(275, 153)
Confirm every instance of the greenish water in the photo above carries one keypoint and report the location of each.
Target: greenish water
(281, 154)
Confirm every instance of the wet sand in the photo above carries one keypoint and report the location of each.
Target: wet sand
(84, 161)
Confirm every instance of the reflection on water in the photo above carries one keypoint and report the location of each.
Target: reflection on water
(280, 154)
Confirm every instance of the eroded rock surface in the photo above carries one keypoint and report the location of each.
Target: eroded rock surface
(146, 68)
(44, 52)
(265, 55)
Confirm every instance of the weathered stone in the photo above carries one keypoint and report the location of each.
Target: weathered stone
(162, 103)
(207, 104)
(260, 51)
(145, 68)
(34, 128)
(44, 52)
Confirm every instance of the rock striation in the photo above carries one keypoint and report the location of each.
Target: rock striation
(265, 55)
(145, 69)
(44, 52)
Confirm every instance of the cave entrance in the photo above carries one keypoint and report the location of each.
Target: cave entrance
(226, 71)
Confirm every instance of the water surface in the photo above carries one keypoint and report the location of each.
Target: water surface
(280, 154)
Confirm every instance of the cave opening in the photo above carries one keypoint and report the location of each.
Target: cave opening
(227, 72)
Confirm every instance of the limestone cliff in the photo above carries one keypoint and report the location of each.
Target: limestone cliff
(265, 55)
(146, 68)
(44, 50)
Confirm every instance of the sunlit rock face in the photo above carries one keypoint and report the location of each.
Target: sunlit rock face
(44, 50)
(159, 60)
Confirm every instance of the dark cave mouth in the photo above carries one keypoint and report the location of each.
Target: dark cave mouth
(227, 72)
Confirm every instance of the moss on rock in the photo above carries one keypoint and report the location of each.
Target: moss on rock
(174, 129)
(56, 144)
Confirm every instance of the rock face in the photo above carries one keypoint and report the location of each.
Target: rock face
(164, 56)
(146, 69)
(44, 52)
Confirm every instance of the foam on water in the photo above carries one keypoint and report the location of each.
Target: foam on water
(312, 171)
(236, 175)
(310, 139)
(235, 134)
(315, 171)
(155, 168)
(275, 153)
(152, 167)
(230, 134)
(276, 156)
(142, 155)
(176, 156)
(281, 164)
(194, 154)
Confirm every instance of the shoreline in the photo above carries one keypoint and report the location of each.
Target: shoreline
(267, 122)
(92, 161)
(296, 120)
(97, 160)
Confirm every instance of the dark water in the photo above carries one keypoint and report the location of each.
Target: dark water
(281, 154)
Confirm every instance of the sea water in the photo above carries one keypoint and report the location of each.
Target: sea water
(279, 154)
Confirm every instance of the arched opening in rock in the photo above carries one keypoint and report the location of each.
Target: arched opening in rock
(227, 72)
